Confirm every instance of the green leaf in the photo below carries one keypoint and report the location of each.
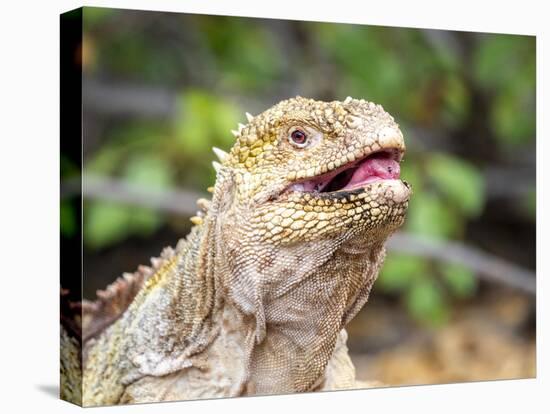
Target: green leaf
(105, 223)
(498, 58)
(459, 279)
(153, 174)
(193, 127)
(429, 216)
(456, 103)
(205, 121)
(506, 65)
(513, 115)
(249, 54)
(149, 171)
(105, 161)
(94, 16)
(373, 70)
(144, 221)
(459, 181)
(399, 271)
(425, 302)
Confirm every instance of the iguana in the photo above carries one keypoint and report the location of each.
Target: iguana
(256, 298)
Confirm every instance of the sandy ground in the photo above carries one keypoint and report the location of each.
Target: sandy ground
(490, 337)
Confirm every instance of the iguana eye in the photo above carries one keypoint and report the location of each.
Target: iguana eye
(298, 138)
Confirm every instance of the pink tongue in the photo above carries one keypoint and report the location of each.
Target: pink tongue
(374, 169)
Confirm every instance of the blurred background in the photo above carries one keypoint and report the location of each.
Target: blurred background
(456, 298)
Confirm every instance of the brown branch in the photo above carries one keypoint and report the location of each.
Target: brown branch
(118, 99)
(99, 188)
(485, 265)
(112, 99)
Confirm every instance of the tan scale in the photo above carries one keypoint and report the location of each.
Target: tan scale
(255, 300)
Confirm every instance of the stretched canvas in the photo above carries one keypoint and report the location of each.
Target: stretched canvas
(253, 206)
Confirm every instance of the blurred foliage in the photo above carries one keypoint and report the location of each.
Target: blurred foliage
(511, 81)
(106, 222)
(218, 67)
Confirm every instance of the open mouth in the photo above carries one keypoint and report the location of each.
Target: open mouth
(381, 165)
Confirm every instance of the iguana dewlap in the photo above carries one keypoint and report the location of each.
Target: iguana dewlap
(256, 298)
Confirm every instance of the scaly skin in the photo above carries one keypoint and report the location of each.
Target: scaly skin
(256, 299)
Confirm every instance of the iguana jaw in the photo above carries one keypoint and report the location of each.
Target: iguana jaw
(373, 167)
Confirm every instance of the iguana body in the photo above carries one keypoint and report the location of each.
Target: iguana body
(256, 299)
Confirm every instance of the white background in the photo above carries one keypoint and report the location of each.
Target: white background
(29, 252)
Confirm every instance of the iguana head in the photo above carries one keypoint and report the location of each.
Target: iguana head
(302, 205)
(307, 169)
